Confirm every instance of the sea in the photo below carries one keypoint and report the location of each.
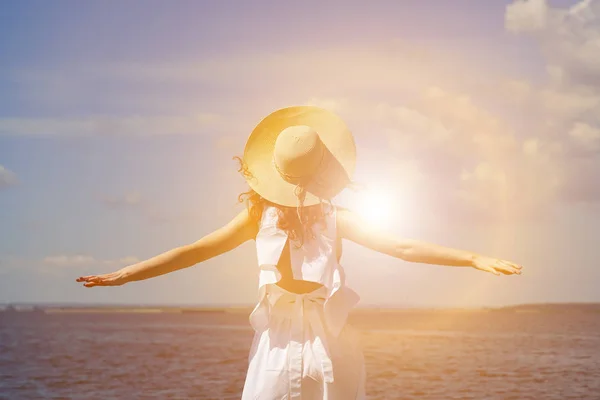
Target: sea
(535, 352)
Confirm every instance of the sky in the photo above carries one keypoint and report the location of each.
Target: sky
(480, 121)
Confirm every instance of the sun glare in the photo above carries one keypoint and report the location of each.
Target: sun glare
(376, 207)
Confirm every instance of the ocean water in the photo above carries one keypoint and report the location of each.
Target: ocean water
(409, 355)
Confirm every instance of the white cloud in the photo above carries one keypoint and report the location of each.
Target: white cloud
(563, 102)
(562, 112)
(568, 37)
(411, 126)
(567, 104)
(586, 136)
(526, 15)
(425, 107)
(466, 160)
(7, 178)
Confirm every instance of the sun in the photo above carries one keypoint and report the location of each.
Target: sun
(375, 206)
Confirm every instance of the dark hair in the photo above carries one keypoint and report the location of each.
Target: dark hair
(297, 222)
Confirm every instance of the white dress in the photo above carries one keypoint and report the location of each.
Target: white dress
(303, 348)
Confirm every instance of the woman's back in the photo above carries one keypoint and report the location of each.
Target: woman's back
(287, 281)
(302, 263)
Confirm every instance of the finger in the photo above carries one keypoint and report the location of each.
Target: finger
(90, 278)
(490, 270)
(505, 267)
(513, 266)
(98, 281)
(504, 263)
(505, 270)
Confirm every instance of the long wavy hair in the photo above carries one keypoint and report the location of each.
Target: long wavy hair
(296, 222)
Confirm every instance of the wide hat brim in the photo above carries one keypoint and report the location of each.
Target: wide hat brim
(258, 154)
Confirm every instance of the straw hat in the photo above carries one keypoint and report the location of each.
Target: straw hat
(300, 155)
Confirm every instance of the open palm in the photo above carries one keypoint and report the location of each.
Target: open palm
(496, 266)
(111, 279)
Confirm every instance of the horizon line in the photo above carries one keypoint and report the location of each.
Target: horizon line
(46, 305)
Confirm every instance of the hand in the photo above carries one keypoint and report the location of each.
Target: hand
(496, 266)
(113, 279)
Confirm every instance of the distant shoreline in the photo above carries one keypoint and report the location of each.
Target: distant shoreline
(178, 309)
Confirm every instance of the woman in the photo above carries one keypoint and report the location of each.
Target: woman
(295, 161)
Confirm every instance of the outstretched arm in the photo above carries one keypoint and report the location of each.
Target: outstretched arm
(241, 229)
(351, 227)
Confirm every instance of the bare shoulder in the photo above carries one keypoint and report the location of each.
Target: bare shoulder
(238, 230)
(242, 224)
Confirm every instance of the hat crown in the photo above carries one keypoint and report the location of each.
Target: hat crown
(298, 152)
(299, 155)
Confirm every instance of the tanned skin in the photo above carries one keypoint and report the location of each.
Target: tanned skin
(350, 227)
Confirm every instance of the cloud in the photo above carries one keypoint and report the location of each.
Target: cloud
(242, 85)
(564, 109)
(568, 37)
(484, 143)
(527, 16)
(586, 136)
(458, 124)
(543, 106)
(7, 178)
(108, 125)
(465, 161)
